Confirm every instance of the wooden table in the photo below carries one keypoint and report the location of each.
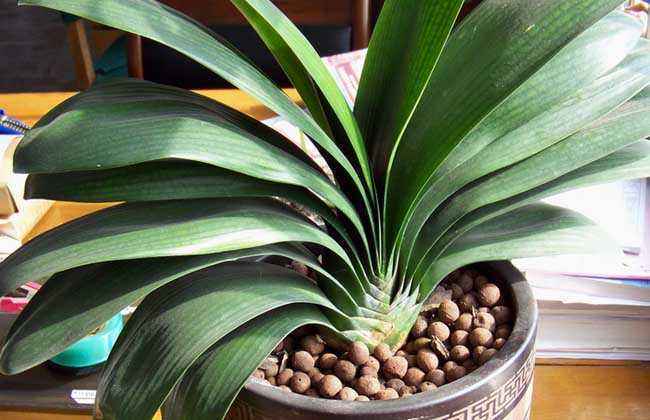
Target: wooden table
(563, 389)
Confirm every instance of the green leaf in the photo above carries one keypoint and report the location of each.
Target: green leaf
(118, 90)
(542, 131)
(159, 229)
(621, 128)
(49, 324)
(158, 22)
(177, 323)
(630, 162)
(406, 43)
(304, 67)
(164, 130)
(200, 396)
(530, 231)
(486, 59)
(155, 181)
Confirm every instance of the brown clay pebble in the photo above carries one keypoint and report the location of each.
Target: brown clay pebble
(459, 338)
(395, 367)
(486, 355)
(358, 353)
(284, 388)
(387, 394)
(329, 386)
(448, 366)
(362, 398)
(489, 294)
(480, 281)
(437, 376)
(345, 370)
(456, 373)
(312, 344)
(395, 383)
(459, 353)
(484, 309)
(401, 353)
(347, 394)
(484, 320)
(271, 380)
(414, 376)
(411, 360)
(438, 329)
(464, 322)
(373, 363)
(303, 361)
(499, 342)
(476, 352)
(467, 302)
(469, 366)
(367, 385)
(368, 370)
(300, 382)
(448, 312)
(405, 392)
(327, 361)
(481, 337)
(502, 332)
(466, 282)
(284, 377)
(427, 360)
(311, 392)
(259, 374)
(420, 327)
(427, 386)
(382, 352)
(272, 370)
(456, 291)
(501, 314)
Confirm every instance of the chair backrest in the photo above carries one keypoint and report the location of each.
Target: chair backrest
(352, 13)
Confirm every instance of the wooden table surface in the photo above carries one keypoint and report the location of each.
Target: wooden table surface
(563, 389)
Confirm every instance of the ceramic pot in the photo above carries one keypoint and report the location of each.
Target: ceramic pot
(500, 389)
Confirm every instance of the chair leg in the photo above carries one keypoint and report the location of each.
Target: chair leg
(134, 56)
(83, 61)
(360, 24)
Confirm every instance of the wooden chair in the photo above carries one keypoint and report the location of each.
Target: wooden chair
(353, 13)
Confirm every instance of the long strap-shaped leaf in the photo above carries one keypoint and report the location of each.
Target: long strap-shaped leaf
(301, 62)
(166, 228)
(551, 84)
(177, 323)
(624, 126)
(117, 90)
(617, 33)
(155, 181)
(487, 57)
(546, 129)
(405, 46)
(232, 360)
(156, 21)
(164, 130)
(49, 324)
(628, 163)
(534, 230)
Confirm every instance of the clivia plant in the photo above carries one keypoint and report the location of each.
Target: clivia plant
(456, 134)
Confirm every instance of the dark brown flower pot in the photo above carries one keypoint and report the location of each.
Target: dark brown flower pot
(500, 389)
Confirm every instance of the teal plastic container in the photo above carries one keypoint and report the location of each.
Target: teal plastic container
(91, 351)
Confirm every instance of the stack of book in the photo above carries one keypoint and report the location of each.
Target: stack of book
(17, 215)
(598, 307)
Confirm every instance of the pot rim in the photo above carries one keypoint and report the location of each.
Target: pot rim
(524, 330)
